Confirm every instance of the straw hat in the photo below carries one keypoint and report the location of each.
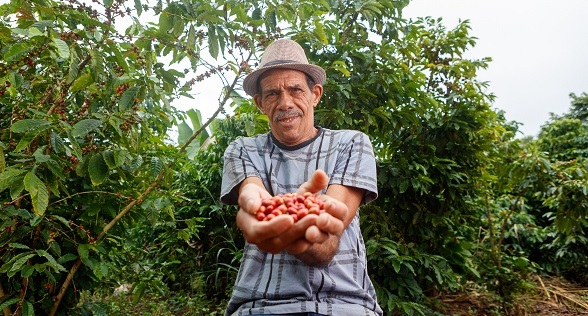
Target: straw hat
(283, 53)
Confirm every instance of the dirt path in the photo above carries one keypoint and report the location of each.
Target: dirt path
(551, 297)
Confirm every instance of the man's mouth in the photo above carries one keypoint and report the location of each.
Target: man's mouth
(287, 119)
(287, 116)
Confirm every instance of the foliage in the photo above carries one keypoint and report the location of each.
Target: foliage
(433, 133)
(95, 193)
(88, 110)
(119, 304)
(217, 245)
(432, 130)
(535, 203)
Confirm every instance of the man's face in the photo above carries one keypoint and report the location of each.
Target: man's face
(289, 104)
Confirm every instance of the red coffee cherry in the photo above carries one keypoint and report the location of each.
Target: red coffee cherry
(295, 205)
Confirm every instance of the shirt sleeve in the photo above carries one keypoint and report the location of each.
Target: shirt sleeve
(356, 166)
(237, 166)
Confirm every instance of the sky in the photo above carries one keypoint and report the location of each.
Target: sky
(538, 49)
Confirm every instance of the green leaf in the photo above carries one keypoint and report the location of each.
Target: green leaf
(40, 156)
(81, 82)
(20, 262)
(18, 246)
(164, 22)
(319, 31)
(213, 45)
(120, 157)
(8, 265)
(9, 302)
(62, 48)
(178, 27)
(84, 252)
(184, 133)
(256, 14)
(15, 51)
(136, 164)
(36, 220)
(191, 40)
(138, 293)
(27, 309)
(16, 187)
(270, 20)
(98, 169)
(2, 160)
(155, 167)
(27, 271)
(109, 159)
(8, 177)
(138, 7)
(38, 191)
(82, 128)
(73, 68)
(27, 124)
(67, 257)
(196, 119)
(118, 55)
(51, 259)
(128, 98)
(58, 144)
(396, 266)
(29, 136)
(97, 62)
(100, 270)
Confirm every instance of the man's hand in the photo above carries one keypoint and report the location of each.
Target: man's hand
(313, 239)
(276, 235)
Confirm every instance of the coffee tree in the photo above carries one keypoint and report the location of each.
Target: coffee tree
(85, 110)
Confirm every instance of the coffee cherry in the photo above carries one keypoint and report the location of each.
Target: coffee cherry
(295, 205)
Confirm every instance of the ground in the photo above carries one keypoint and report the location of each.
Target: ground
(553, 297)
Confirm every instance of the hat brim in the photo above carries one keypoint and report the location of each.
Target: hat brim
(317, 74)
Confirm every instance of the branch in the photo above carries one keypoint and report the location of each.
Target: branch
(6, 309)
(215, 114)
(66, 87)
(505, 221)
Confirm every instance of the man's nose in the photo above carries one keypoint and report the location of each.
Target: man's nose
(285, 101)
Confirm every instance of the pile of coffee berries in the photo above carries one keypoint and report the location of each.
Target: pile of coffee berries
(292, 204)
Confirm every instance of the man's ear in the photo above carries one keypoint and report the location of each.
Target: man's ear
(257, 100)
(317, 92)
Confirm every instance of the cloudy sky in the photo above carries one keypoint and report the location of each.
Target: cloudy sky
(539, 50)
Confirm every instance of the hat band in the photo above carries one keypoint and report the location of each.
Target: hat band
(281, 61)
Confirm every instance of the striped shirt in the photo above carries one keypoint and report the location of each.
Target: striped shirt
(280, 283)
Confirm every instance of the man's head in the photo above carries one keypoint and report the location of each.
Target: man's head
(287, 88)
(284, 54)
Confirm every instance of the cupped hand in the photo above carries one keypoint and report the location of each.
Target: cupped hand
(332, 221)
(276, 235)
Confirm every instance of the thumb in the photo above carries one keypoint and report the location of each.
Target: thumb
(318, 181)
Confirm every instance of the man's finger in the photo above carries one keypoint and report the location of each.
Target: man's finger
(315, 235)
(317, 182)
(334, 207)
(329, 224)
(298, 246)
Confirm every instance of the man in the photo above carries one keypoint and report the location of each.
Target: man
(317, 265)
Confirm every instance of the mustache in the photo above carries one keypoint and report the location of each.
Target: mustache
(287, 113)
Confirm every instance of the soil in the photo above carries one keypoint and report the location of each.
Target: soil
(551, 297)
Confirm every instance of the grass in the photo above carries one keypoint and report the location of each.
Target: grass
(101, 303)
